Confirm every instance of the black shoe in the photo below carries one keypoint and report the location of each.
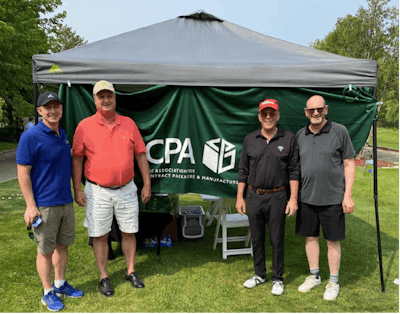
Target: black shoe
(134, 280)
(105, 287)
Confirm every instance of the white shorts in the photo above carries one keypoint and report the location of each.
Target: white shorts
(101, 203)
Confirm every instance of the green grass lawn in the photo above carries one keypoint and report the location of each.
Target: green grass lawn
(7, 145)
(192, 277)
(387, 138)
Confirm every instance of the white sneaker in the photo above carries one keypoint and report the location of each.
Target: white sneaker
(311, 282)
(331, 291)
(253, 281)
(277, 288)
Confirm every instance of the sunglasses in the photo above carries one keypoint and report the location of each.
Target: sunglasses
(30, 233)
(311, 111)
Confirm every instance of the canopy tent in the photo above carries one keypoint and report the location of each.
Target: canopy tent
(202, 50)
(211, 75)
(192, 130)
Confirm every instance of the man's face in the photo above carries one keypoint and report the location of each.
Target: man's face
(316, 110)
(105, 101)
(268, 118)
(51, 112)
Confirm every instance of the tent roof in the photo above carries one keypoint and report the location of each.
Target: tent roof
(202, 50)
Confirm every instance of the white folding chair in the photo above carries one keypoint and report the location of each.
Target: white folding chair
(229, 220)
(213, 204)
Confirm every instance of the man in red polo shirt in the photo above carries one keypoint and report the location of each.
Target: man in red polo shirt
(110, 142)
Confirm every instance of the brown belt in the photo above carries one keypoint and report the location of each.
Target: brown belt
(261, 192)
(115, 187)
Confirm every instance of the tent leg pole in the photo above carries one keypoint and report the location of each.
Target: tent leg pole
(378, 232)
(35, 96)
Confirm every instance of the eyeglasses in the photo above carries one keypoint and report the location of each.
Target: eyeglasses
(271, 114)
(311, 111)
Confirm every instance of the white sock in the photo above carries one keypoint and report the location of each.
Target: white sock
(46, 291)
(59, 283)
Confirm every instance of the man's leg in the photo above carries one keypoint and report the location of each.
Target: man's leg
(312, 251)
(332, 288)
(61, 286)
(129, 250)
(60, 259)
(276, 218)
(100, 249)
(334, 252)
(44, 268)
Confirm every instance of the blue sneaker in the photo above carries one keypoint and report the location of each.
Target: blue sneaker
(52, 301)
(68, 291)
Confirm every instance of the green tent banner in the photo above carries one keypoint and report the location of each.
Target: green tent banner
(194, 135)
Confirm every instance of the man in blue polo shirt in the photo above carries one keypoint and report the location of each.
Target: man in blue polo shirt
(44, 175)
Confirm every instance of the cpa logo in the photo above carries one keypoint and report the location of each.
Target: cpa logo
(219, 158)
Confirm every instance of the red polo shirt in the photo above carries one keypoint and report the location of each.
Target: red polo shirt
(110, 151)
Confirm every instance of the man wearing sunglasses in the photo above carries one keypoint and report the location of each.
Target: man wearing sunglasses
(44, 175)
(269, 168)
(327, 176)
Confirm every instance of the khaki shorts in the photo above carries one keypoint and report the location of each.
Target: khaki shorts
(58, 227)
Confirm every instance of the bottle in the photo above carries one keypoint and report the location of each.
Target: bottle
(169, 241)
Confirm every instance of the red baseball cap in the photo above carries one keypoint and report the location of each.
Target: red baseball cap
(268, 103)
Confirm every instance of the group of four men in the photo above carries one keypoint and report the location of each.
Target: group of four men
(269, 167)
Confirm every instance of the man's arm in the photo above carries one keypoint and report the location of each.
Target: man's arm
(240, 203)
(349, 175)
(145, 171)
(77, 167)
(292, 206)
(25, 183)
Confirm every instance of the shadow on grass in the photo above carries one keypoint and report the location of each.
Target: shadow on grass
(359, 256)
(359, 253)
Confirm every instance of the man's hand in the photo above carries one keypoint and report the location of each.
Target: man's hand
(241, 206)
(31, 213)
(146, 194)
(80, 198)
(348, 205)
(291, 207)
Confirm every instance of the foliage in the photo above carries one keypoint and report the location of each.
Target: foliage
(192, 277)
(373, 33)
(26, 30)
(66, 39)
(10, 134)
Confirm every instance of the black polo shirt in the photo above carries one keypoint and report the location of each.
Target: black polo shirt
(270, 165)
(321, 161)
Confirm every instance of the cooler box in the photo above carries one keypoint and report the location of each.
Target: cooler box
(191, 221)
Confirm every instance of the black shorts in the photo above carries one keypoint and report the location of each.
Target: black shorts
(330, 217)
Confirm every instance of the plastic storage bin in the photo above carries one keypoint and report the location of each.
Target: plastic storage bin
(191, 221)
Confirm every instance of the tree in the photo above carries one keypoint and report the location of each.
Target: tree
(373, 33)
(65, 39)
(26, 30)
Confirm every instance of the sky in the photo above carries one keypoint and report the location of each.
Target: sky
(295, 21)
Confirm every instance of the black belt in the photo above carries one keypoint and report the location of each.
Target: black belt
(261, 192)
(115, 187)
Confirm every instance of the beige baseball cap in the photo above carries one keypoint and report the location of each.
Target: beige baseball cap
(101, 85)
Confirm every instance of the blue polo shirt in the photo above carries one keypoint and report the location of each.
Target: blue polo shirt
(50, 158)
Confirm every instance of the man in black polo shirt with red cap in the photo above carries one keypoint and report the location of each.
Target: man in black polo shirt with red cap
(269, 168)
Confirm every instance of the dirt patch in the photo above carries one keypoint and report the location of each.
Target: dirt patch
(381, 163)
